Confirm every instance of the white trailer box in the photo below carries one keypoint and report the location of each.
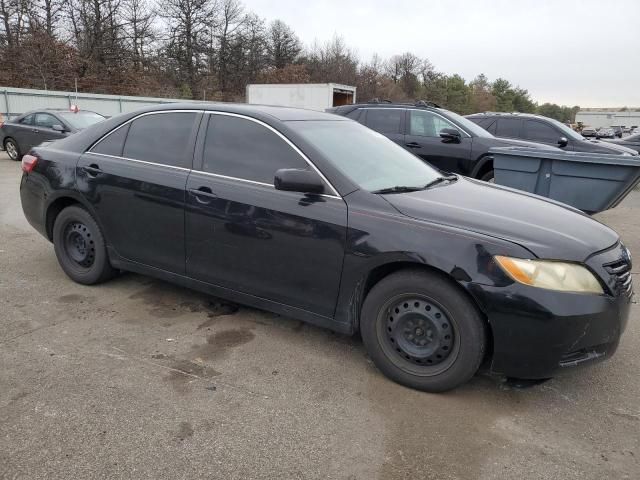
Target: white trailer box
(313, 96)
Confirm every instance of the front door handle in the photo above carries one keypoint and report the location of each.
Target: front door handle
(413, 145)
(201, 192)
(92, 170)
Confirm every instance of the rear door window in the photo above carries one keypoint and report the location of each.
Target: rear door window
(28, 120)
(384, 120)
(46, 120)
(162, 138)
(541, 132)
(244, 149)
(508, 127)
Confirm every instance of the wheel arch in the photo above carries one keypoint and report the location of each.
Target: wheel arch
(379, 272)
(483, 165)
(61, 201)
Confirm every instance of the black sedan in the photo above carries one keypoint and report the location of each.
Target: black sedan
(317, 217)
(631, 141)
(33, 128)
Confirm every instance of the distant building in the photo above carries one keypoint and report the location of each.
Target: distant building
(602, 117)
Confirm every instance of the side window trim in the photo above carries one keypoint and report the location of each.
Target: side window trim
(131, 120)
(198, 160)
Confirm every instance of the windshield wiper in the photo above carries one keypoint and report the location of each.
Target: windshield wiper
(398, 189)
(440, 180)
(405, 189)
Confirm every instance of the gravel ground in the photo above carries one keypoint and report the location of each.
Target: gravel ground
(141, 379)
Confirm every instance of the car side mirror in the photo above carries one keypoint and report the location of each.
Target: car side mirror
(450, 135)
(298, 180)
(58, 128)
(563, 142)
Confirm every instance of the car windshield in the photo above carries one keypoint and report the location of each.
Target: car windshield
(81, 120)
(467, 124)
(367, 158)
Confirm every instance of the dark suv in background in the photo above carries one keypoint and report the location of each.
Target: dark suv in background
(443, 138)
(536, 128)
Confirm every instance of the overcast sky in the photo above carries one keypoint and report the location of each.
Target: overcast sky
(568, 52)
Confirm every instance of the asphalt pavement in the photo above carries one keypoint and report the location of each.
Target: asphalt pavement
(141, 379)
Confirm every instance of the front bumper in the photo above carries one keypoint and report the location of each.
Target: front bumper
(537, 332)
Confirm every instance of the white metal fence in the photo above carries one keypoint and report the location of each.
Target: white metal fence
(16, 101)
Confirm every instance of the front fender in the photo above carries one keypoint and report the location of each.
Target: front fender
(379, 239)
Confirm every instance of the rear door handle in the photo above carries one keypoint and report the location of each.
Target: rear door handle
(201, 192)
(413, 145)
(93, 170)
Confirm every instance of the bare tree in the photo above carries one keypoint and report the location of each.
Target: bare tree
(189, 20)
(283, 44)
(231, 19)
(138, 23)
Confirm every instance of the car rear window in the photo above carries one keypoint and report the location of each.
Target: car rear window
(384, 120)
(81, 120)
(161, 138)
(240, 148)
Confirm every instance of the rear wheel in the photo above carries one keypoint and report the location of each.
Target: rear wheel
(12, 149)
(421, 332)
(80, 247)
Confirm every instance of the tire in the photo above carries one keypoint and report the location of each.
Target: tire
(449, 335)
(12, 149)
(80, 247)
(488, 177)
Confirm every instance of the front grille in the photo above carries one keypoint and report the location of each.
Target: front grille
(621, 271)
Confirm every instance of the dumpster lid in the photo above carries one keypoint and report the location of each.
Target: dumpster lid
(584, 157)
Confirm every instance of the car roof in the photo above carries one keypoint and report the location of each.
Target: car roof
(284, 114)
(421, 104)
(55, 110)
(506, 114)
(269, 114)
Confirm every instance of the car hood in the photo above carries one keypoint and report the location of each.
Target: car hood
(511, 142)
(598, 146)
(546, 228)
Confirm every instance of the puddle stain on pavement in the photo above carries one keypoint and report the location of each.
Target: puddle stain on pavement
(169, 301)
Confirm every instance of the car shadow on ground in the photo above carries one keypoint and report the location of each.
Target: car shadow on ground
(169, 305)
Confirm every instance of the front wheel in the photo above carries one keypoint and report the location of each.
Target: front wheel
(488, 177)
(80, 247)
(12, 149)
(421, 332)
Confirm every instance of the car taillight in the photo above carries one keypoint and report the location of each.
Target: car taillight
(29, 163)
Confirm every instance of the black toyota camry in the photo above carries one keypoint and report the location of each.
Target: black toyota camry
(317, 217)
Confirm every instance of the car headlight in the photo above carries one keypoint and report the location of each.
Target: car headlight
(562, 276)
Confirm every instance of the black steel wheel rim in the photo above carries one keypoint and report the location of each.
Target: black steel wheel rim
(79, 245)
(418, 334)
